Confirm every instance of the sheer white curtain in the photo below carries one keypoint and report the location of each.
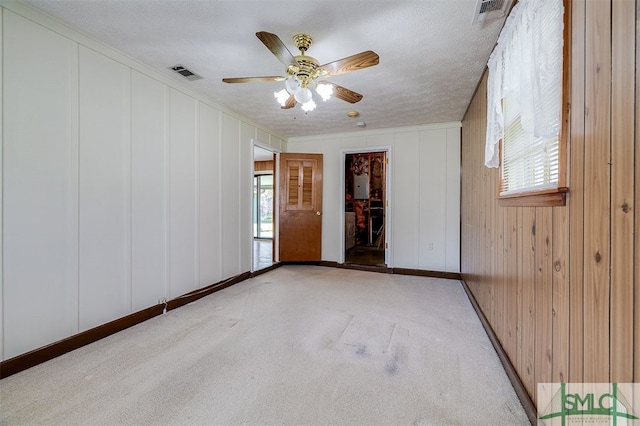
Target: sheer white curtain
(527, 62)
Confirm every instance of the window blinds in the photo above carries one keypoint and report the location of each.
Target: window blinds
(524, 96)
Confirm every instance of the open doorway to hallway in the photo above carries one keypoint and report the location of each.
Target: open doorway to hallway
(365, 210)
(263, 208)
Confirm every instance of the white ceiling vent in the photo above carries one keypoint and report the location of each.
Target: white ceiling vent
(188, 74)
(490, 10)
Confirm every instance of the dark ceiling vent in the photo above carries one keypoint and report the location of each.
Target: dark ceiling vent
(490, 5)
(490, 10)
(186, 73)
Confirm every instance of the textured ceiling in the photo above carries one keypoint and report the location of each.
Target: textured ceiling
(431, 56)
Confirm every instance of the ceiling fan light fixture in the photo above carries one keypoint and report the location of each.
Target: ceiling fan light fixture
(325, 91)
(281, 97)
(302, 71)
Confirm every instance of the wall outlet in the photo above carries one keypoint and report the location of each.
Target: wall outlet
(430, 246)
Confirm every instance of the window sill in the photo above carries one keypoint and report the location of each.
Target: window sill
(547, 198)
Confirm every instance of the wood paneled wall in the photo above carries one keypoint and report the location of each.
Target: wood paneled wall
(560, 286)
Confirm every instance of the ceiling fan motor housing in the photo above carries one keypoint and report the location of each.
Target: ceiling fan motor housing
(302, 41)
(307, 69)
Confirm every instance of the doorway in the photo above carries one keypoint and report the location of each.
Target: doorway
(263, 204)
(365, 186)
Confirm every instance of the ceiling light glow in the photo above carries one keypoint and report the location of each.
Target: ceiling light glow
(282, 96)
(325, 91)
(309, 106)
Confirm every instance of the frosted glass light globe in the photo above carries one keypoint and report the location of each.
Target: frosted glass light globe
(291, 84)
(303, 95)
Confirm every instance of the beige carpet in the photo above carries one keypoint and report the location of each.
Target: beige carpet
(298, 345)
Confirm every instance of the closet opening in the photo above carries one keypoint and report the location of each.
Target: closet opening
(365, 208)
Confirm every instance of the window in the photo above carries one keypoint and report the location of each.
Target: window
(528, 162)
(263, 206)
(524, 100)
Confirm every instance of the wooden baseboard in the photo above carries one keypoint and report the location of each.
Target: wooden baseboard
(518, 386)
(427, 273)
(205, 291)
(37, 356)
(387, 270)
(46, 353)
(265, 270)
(369, 268)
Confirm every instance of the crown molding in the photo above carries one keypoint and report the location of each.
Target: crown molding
(376, 132)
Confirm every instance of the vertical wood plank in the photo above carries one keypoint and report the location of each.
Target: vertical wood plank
(561, 313)
(622, 189)
(528, 253)
(543, 295)
(520, 289)
(497, 273)
(485, 293)
(636, 280)
(575, 201)
(597, 214)
(485, 243)
(560, 245)
(511, 275)
(489, 254)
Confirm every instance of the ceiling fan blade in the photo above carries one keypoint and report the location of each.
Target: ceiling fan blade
(277, 47)
(253, 79)
(351, 63)
(344, 93)
(291, 102)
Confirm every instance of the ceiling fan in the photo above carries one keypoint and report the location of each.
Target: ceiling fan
(303, 73)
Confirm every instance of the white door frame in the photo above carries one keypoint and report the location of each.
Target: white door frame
(387, 208)
(255, 143)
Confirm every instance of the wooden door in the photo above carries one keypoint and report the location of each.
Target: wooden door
(300, 230)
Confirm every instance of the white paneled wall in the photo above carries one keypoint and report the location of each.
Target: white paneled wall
(405, 201)
(183, 172)
(209, 195)
(452, 193)
(247, 133)
(230, 195)
(104, 194)
(39, 197)
(1, 203)
(424, 194)
(431, 197)
(149, 193)
(121, 186)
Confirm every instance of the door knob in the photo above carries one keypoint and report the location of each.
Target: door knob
(318, 213)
